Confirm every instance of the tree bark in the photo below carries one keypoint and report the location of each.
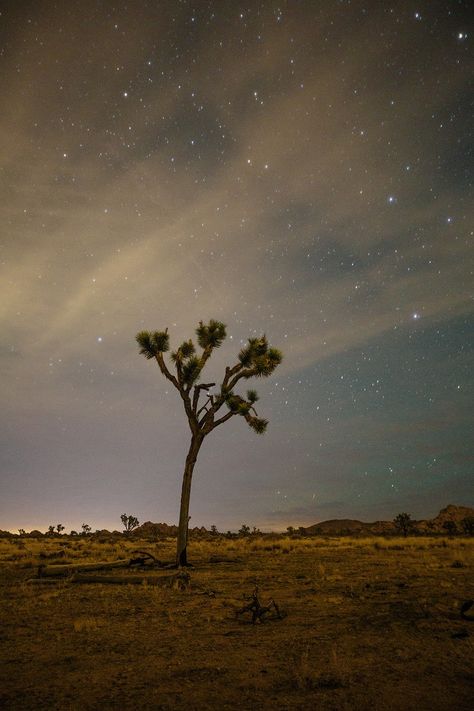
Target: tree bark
(181, 554)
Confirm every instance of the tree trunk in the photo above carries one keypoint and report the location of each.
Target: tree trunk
(181, 557)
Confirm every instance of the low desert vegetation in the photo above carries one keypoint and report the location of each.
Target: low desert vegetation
(364, 623)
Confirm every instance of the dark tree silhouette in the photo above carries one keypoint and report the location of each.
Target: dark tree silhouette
(450, 527)
(129, 522)
(467, 525)
(256, 359)
(403, 523)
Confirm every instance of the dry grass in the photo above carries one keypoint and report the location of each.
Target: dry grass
(368, 624)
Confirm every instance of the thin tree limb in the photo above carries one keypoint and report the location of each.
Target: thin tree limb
(222, 419)
(197, 392)
(244, 373)
(165, 371)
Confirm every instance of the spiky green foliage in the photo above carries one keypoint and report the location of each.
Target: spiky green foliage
(147, 348)
(259, 346)
(260, 367)
(255, 347)
(258, 424)
(211, 335)
(244, 408)
(275, 357)
(245, 357)
(252, 396)
(191, 370)
(232, 401)
(258, 359)
(152, 343)
(187, 349)
(161, 341)
(238, 405)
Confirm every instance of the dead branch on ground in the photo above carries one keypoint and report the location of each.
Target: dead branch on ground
(257, 609)
(144, 559)
(180, 581)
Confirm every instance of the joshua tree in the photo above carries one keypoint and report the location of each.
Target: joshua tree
(129, 522)
(255, 359)
(403, 523)
(244, 530)
(59, 527)
(86, 529)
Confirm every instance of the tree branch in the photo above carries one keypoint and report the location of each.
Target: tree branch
(244, 373)
(197, 392)
(229, 372)
(207, 420)
(205, 407)
(193, 423)
(165, 371)
(206, 354)
(211, 425)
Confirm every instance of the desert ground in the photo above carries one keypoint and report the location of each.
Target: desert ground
(365, 623)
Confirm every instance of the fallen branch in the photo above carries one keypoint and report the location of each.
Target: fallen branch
(218, 559)
(144, 559)
(180, 581)
(54, 554)
(68, 569)
(43, 581)
(258, 610)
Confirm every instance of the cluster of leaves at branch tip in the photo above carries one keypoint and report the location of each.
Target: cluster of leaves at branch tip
(153, 342)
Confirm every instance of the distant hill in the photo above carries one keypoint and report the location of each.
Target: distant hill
(347, 525)
(451, 513)
(442, 523)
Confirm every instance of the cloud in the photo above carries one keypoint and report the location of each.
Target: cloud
(155, 174)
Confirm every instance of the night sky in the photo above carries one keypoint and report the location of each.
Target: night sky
(297, 168)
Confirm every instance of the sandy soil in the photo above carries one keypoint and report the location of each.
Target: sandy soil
(366, 624)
